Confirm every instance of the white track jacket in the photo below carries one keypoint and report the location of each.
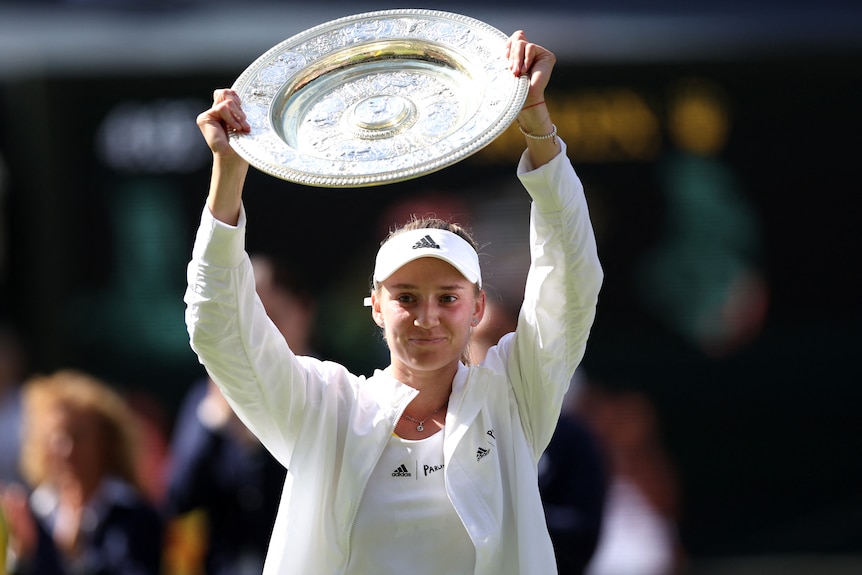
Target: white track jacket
(329, 427)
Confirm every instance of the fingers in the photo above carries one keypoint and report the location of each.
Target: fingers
(524, 56)
(516, 51)
(221, 94)
(529, 59)
(223, 117)
(227, 108)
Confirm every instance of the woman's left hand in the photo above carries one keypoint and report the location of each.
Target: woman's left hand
(526, 58)
(536, 62)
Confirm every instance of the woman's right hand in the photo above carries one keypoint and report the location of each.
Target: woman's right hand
(225, 115)
(229, 168)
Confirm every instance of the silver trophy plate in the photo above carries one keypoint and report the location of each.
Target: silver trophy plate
(377, 98)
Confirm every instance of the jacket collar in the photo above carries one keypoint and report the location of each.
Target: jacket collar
(389, 393)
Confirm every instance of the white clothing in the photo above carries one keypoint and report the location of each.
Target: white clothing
(330, 427)
(406, 500)
(635, 539)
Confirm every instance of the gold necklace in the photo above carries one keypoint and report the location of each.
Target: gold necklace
(421, 426)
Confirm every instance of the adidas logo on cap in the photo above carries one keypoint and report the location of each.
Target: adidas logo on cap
(426, 242)
(404, 247)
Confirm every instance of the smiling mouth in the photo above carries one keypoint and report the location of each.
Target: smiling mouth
(427, 340)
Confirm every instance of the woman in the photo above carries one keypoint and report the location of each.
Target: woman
(78, 455)
(428, 466)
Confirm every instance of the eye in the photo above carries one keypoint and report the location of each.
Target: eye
(448, 298)
(405, 298)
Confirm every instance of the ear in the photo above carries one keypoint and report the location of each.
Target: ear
(478, 309)
(376, 314)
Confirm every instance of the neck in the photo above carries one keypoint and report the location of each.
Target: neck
(434, 386)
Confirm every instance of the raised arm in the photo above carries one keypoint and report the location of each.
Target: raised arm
(565, 274)
(229, 169)
(536, 62)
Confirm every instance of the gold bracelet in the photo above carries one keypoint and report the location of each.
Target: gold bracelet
(553, 134)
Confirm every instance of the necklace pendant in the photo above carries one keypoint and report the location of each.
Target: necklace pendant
(420, 427)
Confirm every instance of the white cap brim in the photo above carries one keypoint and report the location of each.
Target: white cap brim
(405, 247)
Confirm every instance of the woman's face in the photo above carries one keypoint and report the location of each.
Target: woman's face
(75, 443)
(427, 310)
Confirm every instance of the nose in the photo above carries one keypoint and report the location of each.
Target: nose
(426, 316)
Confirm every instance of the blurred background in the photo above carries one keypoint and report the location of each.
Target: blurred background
(719, 144)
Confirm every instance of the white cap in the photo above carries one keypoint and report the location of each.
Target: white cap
(404, 247)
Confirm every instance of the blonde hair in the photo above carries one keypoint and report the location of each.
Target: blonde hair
(84, 393)
(430, 222)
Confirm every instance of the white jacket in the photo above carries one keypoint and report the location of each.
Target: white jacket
(329, 427)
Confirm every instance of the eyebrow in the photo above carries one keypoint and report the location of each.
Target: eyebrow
(453, 287)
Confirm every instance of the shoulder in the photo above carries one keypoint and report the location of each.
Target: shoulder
(328, 372)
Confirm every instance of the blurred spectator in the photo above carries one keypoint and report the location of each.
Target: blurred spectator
(153, 422)
(12, 370)
(78, 456)
(287, 301)
(27, 548)
(218, 467)
(639, 530)
(572, 481)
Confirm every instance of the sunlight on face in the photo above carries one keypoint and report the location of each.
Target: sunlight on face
(427, 309)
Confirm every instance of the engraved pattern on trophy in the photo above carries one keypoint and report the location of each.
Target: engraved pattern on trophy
(377, 97)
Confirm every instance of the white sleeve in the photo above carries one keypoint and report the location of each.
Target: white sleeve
(235, 340)
(560, 298)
